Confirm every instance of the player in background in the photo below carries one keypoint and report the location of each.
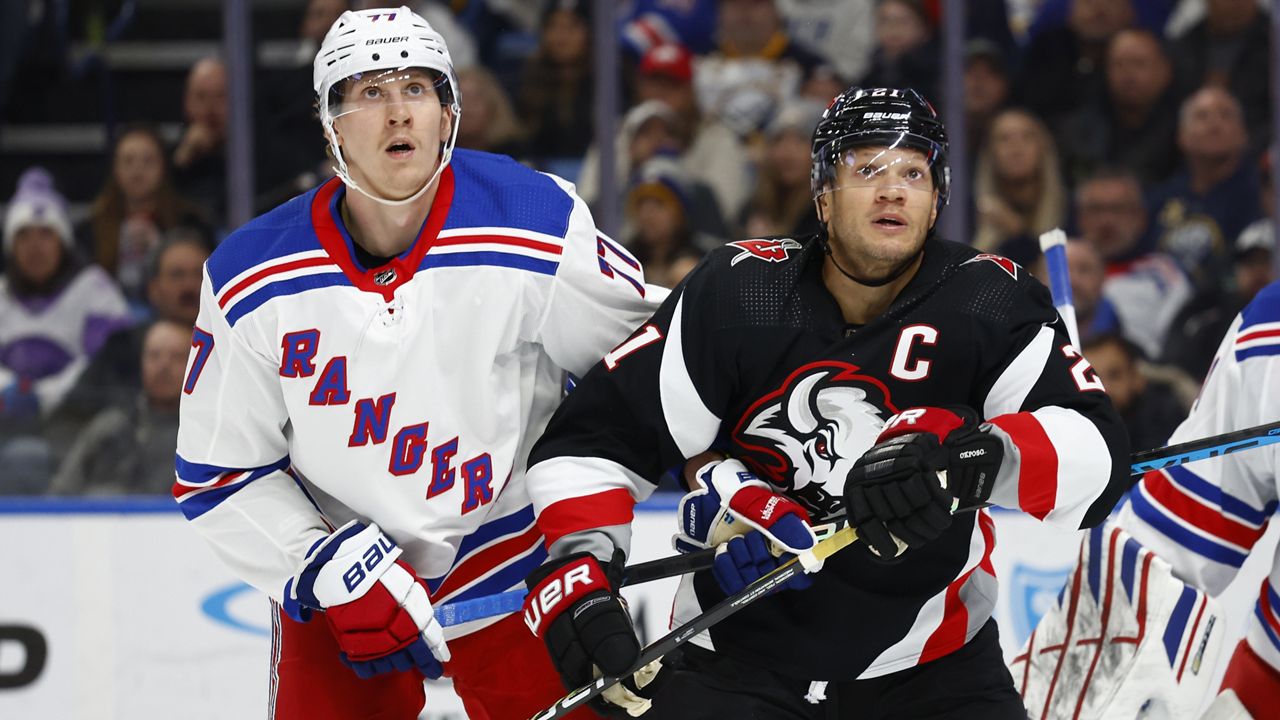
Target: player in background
(371, 364)
(840, 372)
(1203, 519)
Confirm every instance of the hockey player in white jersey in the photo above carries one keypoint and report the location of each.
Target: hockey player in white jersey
(1206, 517)
(1137, 628)
(372, 361)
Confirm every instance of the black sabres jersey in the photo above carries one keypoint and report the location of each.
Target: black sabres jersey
(751, 355)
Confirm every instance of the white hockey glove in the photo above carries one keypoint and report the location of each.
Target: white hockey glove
(376, 606)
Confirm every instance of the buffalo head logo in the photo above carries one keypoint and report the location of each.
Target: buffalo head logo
(805, 436)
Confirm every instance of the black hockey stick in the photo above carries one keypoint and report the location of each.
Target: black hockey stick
(730, 605)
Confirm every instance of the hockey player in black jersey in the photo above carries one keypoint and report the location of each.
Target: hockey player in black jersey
(873, 373)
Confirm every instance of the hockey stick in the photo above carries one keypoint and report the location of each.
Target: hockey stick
(1205, 448)
(505, 603)
(1054, 246)
(730, 605)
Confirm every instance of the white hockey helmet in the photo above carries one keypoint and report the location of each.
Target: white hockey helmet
(381, 39)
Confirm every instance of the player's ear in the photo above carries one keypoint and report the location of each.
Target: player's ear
(933, 212)
(446, 123)
(820, 203)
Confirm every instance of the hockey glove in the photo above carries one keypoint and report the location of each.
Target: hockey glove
(747, 558)
(732, 501)
(574, 607)
(376, 606)
(894, 494)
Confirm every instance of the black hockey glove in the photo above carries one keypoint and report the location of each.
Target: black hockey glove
(573, 605)
(894, 496)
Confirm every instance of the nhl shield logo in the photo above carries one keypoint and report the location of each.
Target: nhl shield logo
(768, 250)
(386, 277)
(1034, 591)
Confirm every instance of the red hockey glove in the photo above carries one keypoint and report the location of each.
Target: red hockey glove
(376, 606)
(894, 495)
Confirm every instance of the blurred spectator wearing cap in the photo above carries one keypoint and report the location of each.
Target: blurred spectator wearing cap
(55, 312)
(1095, 315)
(1202, 208)
(783, 200)
(1018, 188)
(556, 92)
(842, 31)
(136, 206)
(657, 207)
(712, 153)
(174, 273)
(1203, 322)
(1063, 66)
(1134, 124)
(1147, 288)
(906, 54)
(986, 90)
(1231, 48)
(199, 161)
(756, 69)
(652, 129)
(489, 124)
(127, 449)
(1150, 405)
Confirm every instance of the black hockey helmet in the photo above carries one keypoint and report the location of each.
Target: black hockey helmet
(891, 117)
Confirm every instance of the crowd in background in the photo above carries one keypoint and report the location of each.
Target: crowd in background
(1142, 127)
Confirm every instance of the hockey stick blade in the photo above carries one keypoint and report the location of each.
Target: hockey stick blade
(1205, 448)
(674, 639)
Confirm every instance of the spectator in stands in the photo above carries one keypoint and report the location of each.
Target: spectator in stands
(1063, 65)
(713, 155)
(1151, 409)
(650, 129)
(1095, 315)
(1201, 209)
(658, 210)
(174, 272)
(1018, 189)
(1231, 48)
(1200, 327)
(1146, 287)
(783, 200)
(986, 91)
(556, 90)
(649, 23)
(1135, 124)
(55, 311)
(756, 69)
(127, 449)
(906, 54)
(137, 205)
(200, 168)
(489, 124)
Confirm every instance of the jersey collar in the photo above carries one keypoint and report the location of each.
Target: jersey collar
(337, 242)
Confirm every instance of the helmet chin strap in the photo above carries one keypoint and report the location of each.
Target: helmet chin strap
(894, 274)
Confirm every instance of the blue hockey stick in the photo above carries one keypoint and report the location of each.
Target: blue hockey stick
(1054, 246)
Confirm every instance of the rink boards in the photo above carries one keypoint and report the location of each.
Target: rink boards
(118, 610)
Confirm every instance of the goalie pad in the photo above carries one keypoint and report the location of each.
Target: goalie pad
(1125, 639)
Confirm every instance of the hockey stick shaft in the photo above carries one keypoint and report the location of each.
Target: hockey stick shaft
(1205, 448)
(730, 605)
(1054, 246)
(505, 603)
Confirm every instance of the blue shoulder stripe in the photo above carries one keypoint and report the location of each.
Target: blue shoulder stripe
(286, 230)
(292, 286)
(1264, 308)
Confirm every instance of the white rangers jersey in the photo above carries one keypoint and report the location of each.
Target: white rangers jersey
(1205, 518)
(409, 395)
